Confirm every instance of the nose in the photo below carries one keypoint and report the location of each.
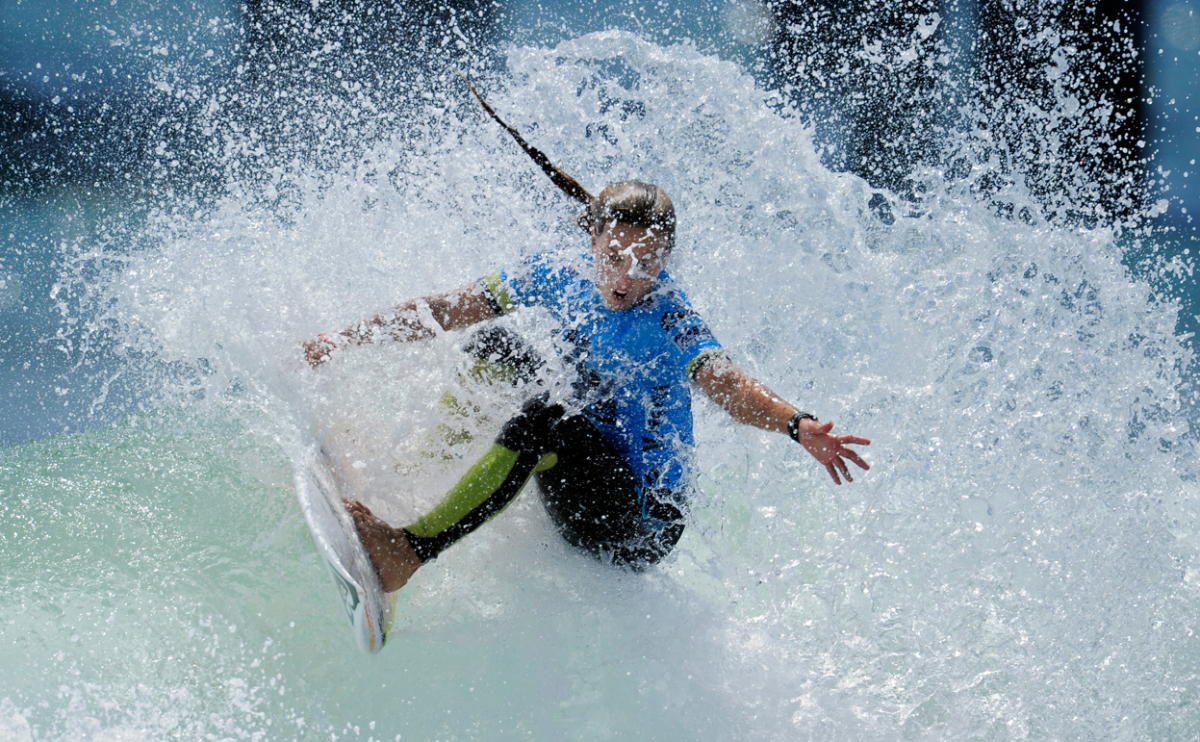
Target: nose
(641, 269)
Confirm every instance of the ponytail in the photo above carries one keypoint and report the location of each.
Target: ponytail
(566, 183)
(628, 202)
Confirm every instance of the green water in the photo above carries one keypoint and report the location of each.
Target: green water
(159, 582)
(145, 571)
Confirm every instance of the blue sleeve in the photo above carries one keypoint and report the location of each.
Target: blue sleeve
(532, 282)
(691, 343)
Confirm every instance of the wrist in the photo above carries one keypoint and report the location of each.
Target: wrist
(793, 426)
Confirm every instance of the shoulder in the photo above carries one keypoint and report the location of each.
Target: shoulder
(551, 274)
(535, 279)
(557, 263)
(671, 308)
(676, 318)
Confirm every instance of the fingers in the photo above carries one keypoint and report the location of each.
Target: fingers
(837, 465)
(318, 351)
(312, 355)
(847, 453)
(316, 356)
(841, 466)
(833, 473)
(856, 440)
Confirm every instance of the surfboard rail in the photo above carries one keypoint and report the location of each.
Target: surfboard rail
(338, 543)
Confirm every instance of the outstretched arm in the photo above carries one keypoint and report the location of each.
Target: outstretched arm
(749, 401)
(415, 319)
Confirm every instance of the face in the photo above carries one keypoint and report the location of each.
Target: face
(628, 260)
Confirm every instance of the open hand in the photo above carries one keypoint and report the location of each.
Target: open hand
(831, 450)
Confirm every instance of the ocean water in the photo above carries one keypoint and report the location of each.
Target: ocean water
(1020, 563)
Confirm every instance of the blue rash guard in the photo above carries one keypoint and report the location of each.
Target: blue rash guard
(634, 362)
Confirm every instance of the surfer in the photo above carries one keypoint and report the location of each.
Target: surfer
(611, 455)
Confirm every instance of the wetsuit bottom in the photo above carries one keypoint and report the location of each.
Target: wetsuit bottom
(588, 489)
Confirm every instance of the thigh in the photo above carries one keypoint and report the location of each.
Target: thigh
(595, 500)
(590, 493)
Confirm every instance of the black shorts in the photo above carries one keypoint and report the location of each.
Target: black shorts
(597, 504)
(589, 490)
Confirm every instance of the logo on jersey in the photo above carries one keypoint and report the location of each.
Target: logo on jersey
(689, 337)
(674, 317)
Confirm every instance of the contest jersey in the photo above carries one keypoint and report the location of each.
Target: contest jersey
(635, 362)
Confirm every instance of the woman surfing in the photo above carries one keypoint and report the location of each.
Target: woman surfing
(611, 454)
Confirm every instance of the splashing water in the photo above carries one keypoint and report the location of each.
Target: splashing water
(1021, 562)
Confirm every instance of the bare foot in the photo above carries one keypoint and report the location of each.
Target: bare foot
(388, 547)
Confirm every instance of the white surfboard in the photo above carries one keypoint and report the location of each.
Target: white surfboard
(337, 540)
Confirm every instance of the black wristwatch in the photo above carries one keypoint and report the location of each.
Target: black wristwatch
(794, 424)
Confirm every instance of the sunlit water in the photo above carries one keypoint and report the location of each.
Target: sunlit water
(1021, 561)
